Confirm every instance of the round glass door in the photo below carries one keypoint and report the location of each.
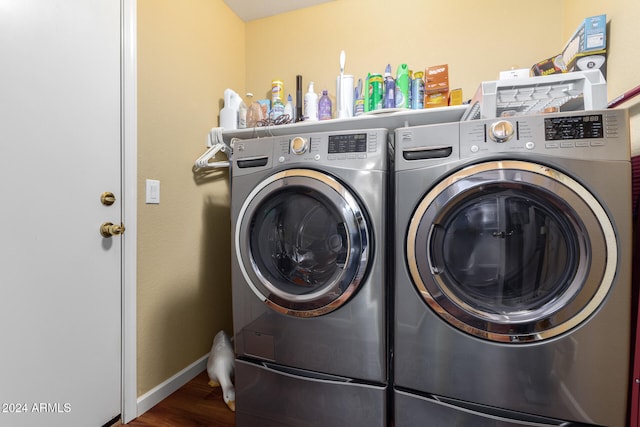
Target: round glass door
(302, 242)
(511, 251)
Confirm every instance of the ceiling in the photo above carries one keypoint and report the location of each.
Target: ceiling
(249, 10)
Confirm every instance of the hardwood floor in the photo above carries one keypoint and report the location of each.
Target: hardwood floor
(195, 405)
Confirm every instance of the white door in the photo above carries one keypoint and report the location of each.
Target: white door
(60, 148)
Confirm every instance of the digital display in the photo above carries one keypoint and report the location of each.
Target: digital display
(349, 143)
(578, 127)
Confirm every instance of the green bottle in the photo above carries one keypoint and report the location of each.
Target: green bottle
(402, 86)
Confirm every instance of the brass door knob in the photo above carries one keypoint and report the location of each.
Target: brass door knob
(109, 229)
(107, 198)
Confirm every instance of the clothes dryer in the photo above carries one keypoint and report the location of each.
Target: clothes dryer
(512, 271)
(308, 276)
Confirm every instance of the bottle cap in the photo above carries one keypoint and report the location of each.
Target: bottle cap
(387, 71)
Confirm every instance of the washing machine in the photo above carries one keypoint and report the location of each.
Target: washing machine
(512, 271)
(308, 277)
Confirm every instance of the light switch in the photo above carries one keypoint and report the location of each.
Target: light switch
(153, 191)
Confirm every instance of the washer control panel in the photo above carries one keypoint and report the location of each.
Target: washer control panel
(353, 149)
(349, 143)
(599, 134)
(336, 146)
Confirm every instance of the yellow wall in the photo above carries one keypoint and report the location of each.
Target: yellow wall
(623, 61)
(189, 51)
(476, 39)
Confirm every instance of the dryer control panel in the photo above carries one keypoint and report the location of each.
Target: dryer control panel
(601, 135)
(584, 127)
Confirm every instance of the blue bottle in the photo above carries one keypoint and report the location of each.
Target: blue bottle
(389, 89)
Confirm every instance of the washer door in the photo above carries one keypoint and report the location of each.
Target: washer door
(511, 251)
(302, 242)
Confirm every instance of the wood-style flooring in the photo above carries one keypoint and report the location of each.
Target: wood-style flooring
(196, 404)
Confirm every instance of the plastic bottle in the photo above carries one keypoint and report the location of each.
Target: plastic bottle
(288, 109)
(389, 89)
(417, 91)
(402, 86)
(277, 108)
(410, 91)
(324, 106)
(311, 104)
(367, 94)
(358, 108)
(376, 92)
(229, 113)
(242, 115)
(254, 111)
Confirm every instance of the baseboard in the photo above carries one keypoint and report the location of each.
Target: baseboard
(163, 390)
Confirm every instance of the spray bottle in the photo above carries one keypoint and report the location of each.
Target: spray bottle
(402, 86)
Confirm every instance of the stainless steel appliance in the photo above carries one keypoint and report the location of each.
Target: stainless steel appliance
(308, 273)
(512, 271)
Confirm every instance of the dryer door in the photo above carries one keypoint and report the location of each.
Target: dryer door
(511, 251)
(302, 242)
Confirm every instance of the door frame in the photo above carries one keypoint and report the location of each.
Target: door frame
(129, 168)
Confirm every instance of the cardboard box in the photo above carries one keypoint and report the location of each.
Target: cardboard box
(436, 86)
(455, 97)
(585, 50)
(552, 65)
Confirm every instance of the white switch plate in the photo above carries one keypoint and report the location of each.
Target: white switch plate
(153, 191)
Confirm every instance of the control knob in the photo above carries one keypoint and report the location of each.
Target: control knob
(299, 145)
(501, 131)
